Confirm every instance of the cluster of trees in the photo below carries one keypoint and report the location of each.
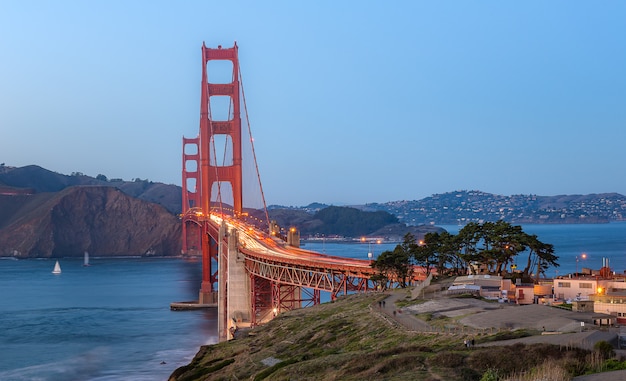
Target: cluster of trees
(488, 248)
(102, 177)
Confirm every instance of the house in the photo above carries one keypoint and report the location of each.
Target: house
(524, 293)
(575, 288)
(486, 286)
(604, 293)
(496, 288)
(611, 303)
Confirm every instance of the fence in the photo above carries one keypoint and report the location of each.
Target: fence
(417, 290)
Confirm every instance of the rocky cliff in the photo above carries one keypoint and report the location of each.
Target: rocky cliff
(99, 219)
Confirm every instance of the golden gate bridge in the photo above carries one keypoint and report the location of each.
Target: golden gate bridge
(251, 268)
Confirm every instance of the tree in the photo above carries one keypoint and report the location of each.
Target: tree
(380, 281)
(468, 239)
(540, 256)
(396, 265)
(448, 253)
(429, 253)
(493, 246)
(101, 177)
(503, 242)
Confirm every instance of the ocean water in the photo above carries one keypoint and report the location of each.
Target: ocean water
(111, 320)
(108, 321)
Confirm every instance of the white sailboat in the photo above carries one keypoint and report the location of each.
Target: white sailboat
(57, 268)
(86, 261)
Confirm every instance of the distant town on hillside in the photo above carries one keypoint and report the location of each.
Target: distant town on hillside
(461, 207)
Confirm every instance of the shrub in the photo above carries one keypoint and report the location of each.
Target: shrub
(613, 364)
(490, 375)
(605, 349)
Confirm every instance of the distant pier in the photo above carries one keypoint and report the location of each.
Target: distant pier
(187, 306)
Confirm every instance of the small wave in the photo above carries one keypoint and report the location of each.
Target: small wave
(83, 367)
(175, 357)
(73, 309)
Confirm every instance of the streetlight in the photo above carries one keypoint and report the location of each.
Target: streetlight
(582, 256)
(370, 255)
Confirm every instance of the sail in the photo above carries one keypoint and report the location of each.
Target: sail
(86, 262)
(57, 268)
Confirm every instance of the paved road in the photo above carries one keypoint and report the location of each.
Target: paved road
(618, 375)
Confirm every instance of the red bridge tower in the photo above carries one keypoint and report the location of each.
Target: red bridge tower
(212, 175)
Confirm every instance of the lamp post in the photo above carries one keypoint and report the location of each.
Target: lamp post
(582, 256)
(370, 255)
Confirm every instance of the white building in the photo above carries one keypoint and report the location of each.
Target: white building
(578, 288)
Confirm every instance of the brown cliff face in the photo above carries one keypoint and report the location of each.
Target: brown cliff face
(99, 219)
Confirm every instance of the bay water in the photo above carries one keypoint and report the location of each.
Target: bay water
(111, 320)
(596, 241)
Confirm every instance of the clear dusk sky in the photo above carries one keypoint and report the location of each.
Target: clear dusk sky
(350, 102)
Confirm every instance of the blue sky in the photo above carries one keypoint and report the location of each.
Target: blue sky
(350, 102)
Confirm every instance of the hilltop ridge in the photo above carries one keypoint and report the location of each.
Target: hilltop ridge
(461, 207)
(35, 179)
(455, 207)
(44, 213)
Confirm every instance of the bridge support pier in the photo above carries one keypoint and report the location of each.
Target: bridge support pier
(233, 287)
(207, 294)
(207, 297)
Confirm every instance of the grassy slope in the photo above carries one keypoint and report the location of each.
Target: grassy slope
(349, 340)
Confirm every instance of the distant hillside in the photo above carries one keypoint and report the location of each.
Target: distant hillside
(47, 214)
(39, 180)
(347, 222)
(101, 220)
(461, 207)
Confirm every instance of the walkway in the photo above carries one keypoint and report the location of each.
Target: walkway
(617, 375)
(406, 320)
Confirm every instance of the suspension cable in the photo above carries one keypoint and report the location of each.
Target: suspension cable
(256, 165)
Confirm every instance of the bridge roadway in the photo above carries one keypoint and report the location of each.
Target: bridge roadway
(271, 258)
